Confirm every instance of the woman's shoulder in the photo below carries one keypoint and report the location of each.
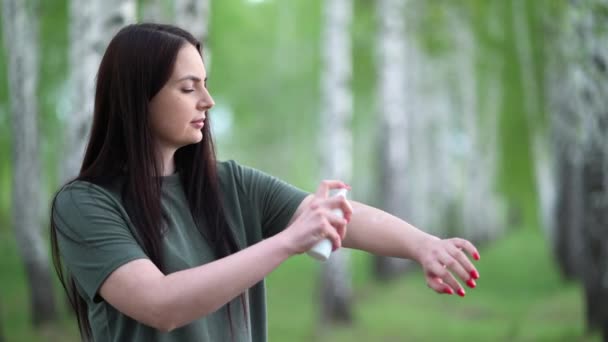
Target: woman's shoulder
(80, 191)
(233, 172)
(229, 170)
(226, 166)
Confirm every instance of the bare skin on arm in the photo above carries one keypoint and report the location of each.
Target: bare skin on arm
(375, 231)
(141, 291)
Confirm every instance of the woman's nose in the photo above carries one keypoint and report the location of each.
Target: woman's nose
(206, 102)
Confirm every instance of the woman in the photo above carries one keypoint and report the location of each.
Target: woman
(157, 241)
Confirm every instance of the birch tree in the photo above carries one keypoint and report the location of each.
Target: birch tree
(20, 28)
(580, 131)
(454, 130)
(336, 144)
(476, 161)
(92, 25)
(190, 15)
(193, 15)
(395, 98)
(156, 11)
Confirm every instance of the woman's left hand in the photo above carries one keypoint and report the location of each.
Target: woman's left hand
(444, 260)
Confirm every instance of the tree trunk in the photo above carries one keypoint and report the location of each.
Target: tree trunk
(394, 107)
(578, 88)
(156, 11)
(20, 27)
(595, 221)
(93, 24)
(190, 15)
(336, 145)
(193, 15)
(475, 158)
(568, 246)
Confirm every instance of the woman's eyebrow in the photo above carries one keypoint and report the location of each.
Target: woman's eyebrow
(192, 78)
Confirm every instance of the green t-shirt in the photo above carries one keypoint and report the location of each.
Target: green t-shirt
(96, 237)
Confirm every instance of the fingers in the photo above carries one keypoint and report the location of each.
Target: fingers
(453, 265)
(442, 281)
(336, 241)
(447, 263)
(338, 223)
(465, 270)
(445, 287)
(467, 246)
(458, 254)
(331, 231)
(435, 279)
(341, 203)
(327, 185)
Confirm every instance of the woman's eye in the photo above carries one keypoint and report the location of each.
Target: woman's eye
(187, 90)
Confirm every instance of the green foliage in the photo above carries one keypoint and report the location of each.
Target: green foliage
(52, 86)
(264, 74)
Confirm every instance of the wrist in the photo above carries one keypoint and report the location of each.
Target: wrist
(283, 245)
(421, 245)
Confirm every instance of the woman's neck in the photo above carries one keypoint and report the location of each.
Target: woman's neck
(167, 165)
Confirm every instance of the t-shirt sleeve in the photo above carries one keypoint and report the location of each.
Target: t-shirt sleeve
(93, 236)
(275, 200)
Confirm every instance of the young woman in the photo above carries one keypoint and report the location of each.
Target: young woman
(155, 240)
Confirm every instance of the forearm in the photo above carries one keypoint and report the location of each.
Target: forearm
(375, 231)
(193, 293)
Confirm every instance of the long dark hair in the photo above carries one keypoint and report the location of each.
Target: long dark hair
(137, 63)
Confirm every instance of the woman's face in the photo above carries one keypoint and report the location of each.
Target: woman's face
(178, 110)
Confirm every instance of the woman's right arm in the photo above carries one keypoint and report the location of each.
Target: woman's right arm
(140, 290)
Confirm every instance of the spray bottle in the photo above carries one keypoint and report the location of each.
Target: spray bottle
(322, 249)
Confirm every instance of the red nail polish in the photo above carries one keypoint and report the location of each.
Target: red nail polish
(471, 283)
(474, 274)
(460, 292)
(476, 256)
(448, 290)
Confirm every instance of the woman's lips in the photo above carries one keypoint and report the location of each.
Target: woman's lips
(198, 123)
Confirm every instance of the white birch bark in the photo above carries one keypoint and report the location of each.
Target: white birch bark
(193, 16)
(481, 207)
(20, 28)
(336, 144)
(578, 102)
(93, 24)
(395, 105)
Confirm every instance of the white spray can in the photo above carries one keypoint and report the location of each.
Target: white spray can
(322, 249)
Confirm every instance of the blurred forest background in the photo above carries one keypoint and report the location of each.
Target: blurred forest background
(484, 119)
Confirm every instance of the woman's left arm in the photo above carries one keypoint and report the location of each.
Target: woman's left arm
(378, 232)
(373, 230)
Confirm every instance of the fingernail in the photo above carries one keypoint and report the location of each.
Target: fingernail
(476, 256)
(474, 274)
(471, 283)
(448, 291)
(461, 292)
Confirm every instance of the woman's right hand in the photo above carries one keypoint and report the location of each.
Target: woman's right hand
(315, 219)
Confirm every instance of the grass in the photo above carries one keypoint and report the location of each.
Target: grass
(520, 297)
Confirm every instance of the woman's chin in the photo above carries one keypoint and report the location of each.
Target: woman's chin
(196, 137)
